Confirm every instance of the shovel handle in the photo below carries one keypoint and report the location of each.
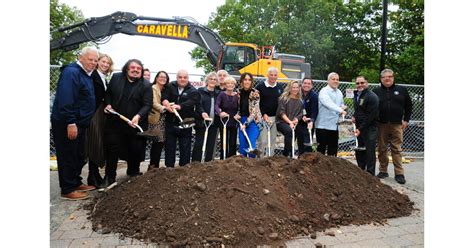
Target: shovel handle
(204, 145)
(224, 140)
(293, 141)
(245, 135)
(354, 127)
(125, 119)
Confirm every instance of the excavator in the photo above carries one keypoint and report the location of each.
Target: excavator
(235, 58)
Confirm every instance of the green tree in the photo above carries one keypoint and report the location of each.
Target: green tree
(341, 36)
(356, 35)
(405, 45)
(62, 15)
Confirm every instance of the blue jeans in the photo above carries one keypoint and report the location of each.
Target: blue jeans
(253, 132)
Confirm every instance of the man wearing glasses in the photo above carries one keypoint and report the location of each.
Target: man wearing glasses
(131, 95)
(366, 112)
(395, 109)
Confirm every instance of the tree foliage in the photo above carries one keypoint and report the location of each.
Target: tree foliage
(62, 15)
(340, 36)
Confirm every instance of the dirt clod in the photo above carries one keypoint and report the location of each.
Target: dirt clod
(273, 236)
(222, 203)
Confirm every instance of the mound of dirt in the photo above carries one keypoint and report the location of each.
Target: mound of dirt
(244, 202)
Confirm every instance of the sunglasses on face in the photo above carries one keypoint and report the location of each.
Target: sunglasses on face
(359, 83)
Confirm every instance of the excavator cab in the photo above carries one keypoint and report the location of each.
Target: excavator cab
(237, 56)
(267, 52)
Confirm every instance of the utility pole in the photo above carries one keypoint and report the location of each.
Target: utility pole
(384, 34)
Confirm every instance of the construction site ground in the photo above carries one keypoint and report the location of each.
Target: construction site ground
(70, 226)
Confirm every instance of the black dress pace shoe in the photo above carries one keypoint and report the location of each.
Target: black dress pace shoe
(382, 175)
(400, 179)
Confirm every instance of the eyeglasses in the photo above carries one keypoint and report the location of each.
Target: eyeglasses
(359, 83)
(135, 67)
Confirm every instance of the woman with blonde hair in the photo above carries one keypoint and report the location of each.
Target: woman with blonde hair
(289, 112)
(227, 106)
(95, 133)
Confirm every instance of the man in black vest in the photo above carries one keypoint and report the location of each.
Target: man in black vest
(366, 106)
(131, 95)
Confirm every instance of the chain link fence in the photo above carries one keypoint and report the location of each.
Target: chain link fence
(413, 143)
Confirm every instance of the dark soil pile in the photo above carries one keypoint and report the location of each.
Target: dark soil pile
(246, 202)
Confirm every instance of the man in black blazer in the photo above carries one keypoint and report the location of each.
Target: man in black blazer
(130, 95)
(366, 113)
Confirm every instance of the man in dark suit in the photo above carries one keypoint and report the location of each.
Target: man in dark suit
(130, 95)
(366, 106)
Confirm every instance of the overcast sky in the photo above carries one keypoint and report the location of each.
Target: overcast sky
(155, 53)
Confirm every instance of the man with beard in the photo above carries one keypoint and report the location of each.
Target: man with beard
(130, 95)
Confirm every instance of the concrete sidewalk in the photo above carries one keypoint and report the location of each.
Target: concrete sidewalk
(71, 228)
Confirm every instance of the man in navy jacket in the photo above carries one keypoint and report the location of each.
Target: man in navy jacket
(311, 105)
(73, 108)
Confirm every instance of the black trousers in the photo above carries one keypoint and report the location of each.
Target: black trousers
(366, 159)
(231, 145)
(94, 177)
(285, 129)
(126, 145)
(70, 156)
(173, 135)
(199, 142)
(303, 138)
(155, 153)
(327, 141)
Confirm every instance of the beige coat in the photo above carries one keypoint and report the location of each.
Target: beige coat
(157, 108)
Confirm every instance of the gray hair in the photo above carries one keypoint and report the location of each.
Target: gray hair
(274, 69)
(385, 71)
(88, 49)
(332, 74)
(222, 71)
(182, 71)
(210, 74)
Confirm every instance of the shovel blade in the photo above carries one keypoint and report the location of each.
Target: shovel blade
(187, 123)
(255, 152)
(358, 148)
(150, 133)
(185, 126)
